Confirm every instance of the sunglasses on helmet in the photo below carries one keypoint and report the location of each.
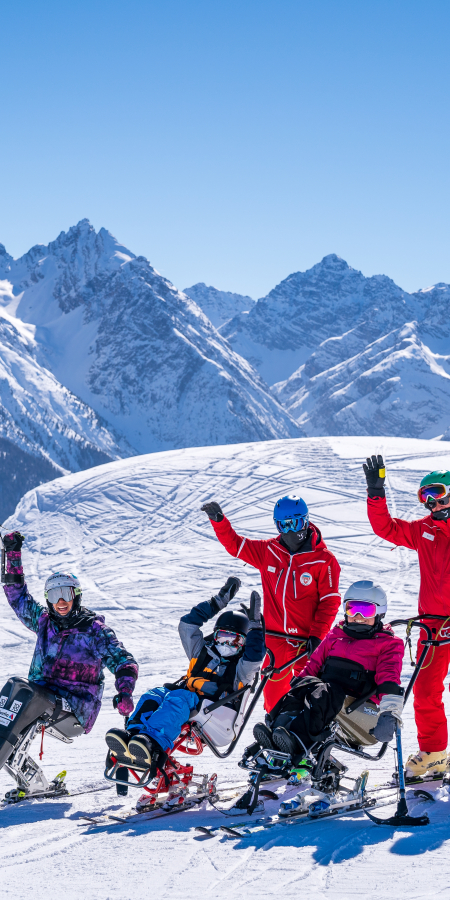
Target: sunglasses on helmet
(433, 493)
(292, 524)
(363, 607)
(229, 638)
(66, 593)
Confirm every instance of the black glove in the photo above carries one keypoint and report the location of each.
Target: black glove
(213, 510)
(311, 644)
(226, 593)
(253, 612)
(13, 541)
(375, 473)
(385, 728)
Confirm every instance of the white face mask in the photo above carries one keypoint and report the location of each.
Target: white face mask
(225, 650)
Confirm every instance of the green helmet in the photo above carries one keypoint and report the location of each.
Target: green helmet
(442, 476)
(433, 493)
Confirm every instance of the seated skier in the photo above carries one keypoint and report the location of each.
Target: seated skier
(359, 658)
(219, 664)
(65, 681)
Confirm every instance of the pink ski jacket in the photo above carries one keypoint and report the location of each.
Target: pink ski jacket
(382, 654)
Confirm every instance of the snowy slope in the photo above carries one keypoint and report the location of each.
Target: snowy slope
(133, 531)
(139, 352)
(219, 306)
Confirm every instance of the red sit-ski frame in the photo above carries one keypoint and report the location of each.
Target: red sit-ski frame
(174, 772)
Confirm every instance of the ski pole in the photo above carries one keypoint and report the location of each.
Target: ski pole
(3, 569)
(402, 809)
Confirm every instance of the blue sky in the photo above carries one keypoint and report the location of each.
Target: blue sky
(232, 141)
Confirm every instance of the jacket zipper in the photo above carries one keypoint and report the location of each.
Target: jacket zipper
(278, 580)
(295, 589)
(284, 594)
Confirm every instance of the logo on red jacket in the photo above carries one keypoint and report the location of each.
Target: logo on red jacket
(305, 578)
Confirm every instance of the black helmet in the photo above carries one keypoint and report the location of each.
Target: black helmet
(232, 621)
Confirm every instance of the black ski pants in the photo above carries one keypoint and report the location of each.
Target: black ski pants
(22, 703)
(308, 709)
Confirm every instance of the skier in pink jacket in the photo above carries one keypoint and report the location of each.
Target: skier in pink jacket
(359, 657)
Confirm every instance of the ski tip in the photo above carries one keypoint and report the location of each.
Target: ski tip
(231, 831)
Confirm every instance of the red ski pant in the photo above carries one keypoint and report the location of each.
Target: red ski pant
(279, 685)
(428, 690)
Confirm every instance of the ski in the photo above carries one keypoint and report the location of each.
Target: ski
(158, 811)
(246, 829)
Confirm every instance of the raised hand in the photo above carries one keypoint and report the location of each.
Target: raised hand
(213, 510)
(13, 541)
(226, 593)
(375, 472)
(253, 612)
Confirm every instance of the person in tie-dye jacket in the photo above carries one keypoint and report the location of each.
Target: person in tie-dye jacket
(73, 647)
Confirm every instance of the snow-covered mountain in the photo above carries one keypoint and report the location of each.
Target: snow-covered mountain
(281, 330)
(350, 354)
(219, 306)
(135, 349)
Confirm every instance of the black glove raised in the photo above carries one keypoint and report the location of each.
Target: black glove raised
(226, 593)
(385, 728)
(311, 644)
(213, 510)
(13, 541)
(253, 612)
(375, 472)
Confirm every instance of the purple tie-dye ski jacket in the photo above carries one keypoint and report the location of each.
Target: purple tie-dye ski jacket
(69, 659)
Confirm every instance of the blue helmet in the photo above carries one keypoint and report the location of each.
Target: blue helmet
(291, 514)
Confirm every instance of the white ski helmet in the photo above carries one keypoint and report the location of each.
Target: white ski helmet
(368, 592)
(63, 579)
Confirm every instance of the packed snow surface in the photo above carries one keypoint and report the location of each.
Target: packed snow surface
(134, 533)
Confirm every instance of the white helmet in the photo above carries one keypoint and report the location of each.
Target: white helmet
(63, 579)
(368, 592)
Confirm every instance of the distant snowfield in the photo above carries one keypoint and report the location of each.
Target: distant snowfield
(133, 532)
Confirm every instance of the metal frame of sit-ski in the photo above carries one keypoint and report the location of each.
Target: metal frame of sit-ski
(176, 777)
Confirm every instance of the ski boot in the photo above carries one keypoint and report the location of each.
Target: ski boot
(141, 749)
(426, 765)
(263, 735)
(300, 773)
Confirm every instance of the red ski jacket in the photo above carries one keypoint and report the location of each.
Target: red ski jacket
(301, 592)
(382, 653)
(431, 539)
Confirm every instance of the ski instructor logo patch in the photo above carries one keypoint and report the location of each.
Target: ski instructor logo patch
(305, 578)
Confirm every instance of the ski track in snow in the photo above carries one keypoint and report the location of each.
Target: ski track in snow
(134, 533)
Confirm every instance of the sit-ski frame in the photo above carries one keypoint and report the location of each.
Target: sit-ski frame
(177, 777)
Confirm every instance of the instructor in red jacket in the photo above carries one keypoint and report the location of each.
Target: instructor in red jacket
(300, 581)
(430, 537)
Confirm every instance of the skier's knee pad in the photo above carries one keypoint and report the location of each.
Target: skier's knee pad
(21, 704)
